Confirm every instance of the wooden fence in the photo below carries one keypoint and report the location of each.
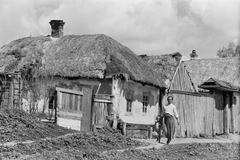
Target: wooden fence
(10, 90)
(74, 108)
(137, 130)
(206, 114)
(195, 112)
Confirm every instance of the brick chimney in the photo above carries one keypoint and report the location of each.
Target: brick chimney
(193, 55)
(57, 28)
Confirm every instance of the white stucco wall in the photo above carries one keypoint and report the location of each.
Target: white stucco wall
(120, 89)
(46, 83)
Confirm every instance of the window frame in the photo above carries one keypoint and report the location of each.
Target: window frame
(129, 99)
(145, 102)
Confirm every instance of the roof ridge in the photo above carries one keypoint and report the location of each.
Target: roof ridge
(227, 58)
(165, 54)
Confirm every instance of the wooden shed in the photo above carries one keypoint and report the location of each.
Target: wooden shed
(220, 78)
(226, 112)
(186, 98)
(202, 111)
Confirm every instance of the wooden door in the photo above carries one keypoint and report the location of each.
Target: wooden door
(102, 107)
(100, 112)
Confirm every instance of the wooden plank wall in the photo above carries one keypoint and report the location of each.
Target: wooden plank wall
(102, 107)
(138, 130)
(237, 109)
(218, 112)
(5, 91)
(71, 102)
(100, 112)
(181, 80)
(196, 114)
(237, 112)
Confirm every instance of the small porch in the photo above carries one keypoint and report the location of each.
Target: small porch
(227, 107)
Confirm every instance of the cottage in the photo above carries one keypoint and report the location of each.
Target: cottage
(84, 77)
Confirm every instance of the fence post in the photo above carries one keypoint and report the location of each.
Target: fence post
(150, 132)
(124, 128)
(57, 106)
(94, 128)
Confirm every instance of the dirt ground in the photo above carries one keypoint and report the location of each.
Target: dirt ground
(17, 125)
(108, 144)
(86, 143)
(24, 137)
(185, 151)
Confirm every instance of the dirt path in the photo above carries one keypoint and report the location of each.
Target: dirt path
(154, 144)
(29, 141)
(131, 152)
(220, 139)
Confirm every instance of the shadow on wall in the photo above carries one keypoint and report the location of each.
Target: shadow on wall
(139, 96)
(1, 92)
(219, 100)
(104, 87)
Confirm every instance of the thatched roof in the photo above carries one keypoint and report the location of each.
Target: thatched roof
(165, 65)
(223, 69)
(91, 56)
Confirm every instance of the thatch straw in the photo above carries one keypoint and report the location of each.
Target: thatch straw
(218, 84)
(165, 65)
(91, 56)
(223, 69)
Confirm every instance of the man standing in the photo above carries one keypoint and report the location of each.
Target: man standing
(170, 113)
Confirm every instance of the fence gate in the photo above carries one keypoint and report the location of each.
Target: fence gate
(74, 108)
(10, 90)
(102, 107)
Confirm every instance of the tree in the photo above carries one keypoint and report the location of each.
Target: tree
(232, 50)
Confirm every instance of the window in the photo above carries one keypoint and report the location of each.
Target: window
(129, 99)
(145, 103)
(234, 100)
(129, 106)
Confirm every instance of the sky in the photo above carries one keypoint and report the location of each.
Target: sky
(151, 27)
